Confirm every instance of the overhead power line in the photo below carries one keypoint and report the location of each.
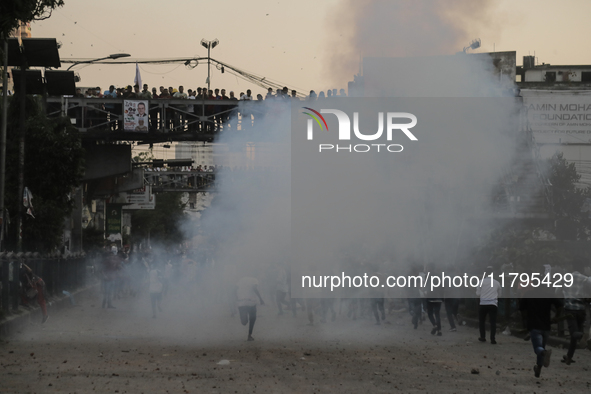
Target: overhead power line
(248, 76)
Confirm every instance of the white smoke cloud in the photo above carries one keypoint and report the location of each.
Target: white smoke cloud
(401, 28)
(420, 203)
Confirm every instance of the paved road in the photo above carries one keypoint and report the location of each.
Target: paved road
(87, 349)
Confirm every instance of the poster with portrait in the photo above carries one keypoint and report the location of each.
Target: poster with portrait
(135, 115)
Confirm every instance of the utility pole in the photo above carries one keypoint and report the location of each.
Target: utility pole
(3, 138)
(21, 153)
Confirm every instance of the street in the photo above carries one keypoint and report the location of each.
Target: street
(193, 348)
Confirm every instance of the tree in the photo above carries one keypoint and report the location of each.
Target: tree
(164, 223)
(521, 246)
(13, 12)
(54, 165)
(568, 200)
(529, 246)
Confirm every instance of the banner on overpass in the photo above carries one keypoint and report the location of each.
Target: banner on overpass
(135, 116)
(559, 117)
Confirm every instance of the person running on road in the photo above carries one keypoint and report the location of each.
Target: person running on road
(247, 292)
(537, 309)
(155, 288)
(282, 289)
(574, 310)
(451, 299)
(489, 292)
(111, 265)
(415, 302)
(327, 305)
(377, 296)
(434, 301)
(33, 288)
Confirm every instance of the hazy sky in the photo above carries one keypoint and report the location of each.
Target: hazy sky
(292, 42)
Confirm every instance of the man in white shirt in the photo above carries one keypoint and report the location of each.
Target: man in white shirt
(191, 110)
(245, 109)
(247, 96)
(489, 292)
(247, 292)
(180, 116)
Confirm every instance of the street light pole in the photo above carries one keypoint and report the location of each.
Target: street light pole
(21, 155)
(113, 56)
(209, 45)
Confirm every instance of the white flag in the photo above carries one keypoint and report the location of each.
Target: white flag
(138, 78)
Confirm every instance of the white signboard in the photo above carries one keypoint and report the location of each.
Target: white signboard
(140, 199)
(135, 116)
(559, 117)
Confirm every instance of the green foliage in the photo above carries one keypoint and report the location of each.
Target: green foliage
(563, 177)
(12, 12)
(164, 223)
(568, 200)
(523, 247)
(93, 241)
(54, 165)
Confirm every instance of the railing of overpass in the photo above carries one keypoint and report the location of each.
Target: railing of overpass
(98, 117)
(59, 274)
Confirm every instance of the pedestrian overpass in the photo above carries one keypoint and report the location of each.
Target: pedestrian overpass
(169, 120)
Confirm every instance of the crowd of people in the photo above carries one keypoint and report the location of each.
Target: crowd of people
(189, 117)
(133, 93)
(538, 307)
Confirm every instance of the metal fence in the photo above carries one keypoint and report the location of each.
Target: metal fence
(59, 274)
(165, 115)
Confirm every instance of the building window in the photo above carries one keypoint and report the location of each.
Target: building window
(550, 76)
(586, 76)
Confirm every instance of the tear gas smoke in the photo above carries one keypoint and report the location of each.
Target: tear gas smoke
(401, 28)
(418, 205)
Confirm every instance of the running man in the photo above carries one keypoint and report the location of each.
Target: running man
(111, 265)
(434, 301)
(489, 292)
(538, 314)
(33, 288)
(377, 296)
(155, 288)
(282, 290)
(247, 292)
(574, 310)
(451, 299)
(415, 303)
